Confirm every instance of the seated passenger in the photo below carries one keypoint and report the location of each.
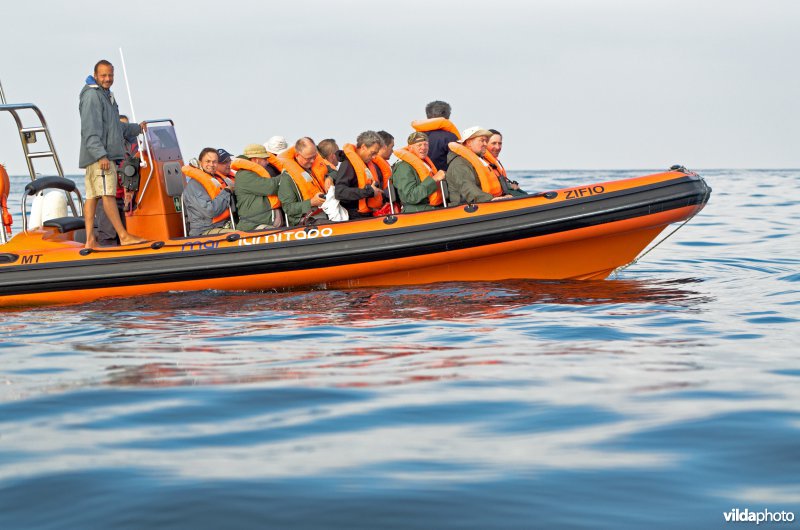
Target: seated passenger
(416, 177)
(224, 167)
(275, 146)
(304, 182)
(492, 154)
(382, 163)
(256, 190)
(440, 130)
(388, 145)
(206, 197)
(469, 178)
(356, 179)
(329, 151)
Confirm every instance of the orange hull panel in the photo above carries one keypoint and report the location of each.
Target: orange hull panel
(524, 239)
(588, 253)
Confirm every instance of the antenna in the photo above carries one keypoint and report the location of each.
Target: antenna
(142, 162)
(127, 85)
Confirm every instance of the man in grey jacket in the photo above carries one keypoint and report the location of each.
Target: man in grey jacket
(102, 145)
(207, 197)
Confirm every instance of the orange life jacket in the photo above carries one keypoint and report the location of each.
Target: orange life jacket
(372, 203)
(435, 124)
(275, 162)
(424, 168)
(230, 176)
(241, 163)
(5, 187)
(499, 170)
(385, 170)
(210, 183)
(319, 169)
(490, 183)
(305, 181)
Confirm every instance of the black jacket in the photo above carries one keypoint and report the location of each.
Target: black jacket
(438, 151)
(347, 190)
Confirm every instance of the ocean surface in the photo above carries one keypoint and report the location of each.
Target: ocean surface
(661, 398)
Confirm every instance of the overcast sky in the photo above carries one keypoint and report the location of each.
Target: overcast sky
(571, 83)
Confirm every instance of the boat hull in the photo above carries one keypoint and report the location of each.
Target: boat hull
(580, 233)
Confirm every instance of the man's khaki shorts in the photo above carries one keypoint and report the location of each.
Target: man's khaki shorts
(99, 182)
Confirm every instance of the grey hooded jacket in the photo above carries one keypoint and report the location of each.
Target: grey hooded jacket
(201, 208)
(102, 134)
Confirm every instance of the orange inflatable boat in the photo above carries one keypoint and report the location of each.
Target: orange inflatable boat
(583, 232)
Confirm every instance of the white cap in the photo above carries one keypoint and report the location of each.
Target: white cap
(276, 145)
(472, 132)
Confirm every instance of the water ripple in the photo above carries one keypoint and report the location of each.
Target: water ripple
(660, 398)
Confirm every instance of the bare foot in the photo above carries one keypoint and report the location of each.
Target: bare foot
(90, 243)
(131, 240)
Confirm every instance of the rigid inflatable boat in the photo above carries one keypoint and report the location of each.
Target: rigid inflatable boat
(582, 233)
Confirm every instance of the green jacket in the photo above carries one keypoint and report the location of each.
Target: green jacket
(463, 183)
(292, 200)
(412, 192)
(251, 199)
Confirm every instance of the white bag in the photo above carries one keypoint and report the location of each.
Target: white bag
(333, 209)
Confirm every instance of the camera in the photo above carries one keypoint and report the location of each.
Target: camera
(129, 173)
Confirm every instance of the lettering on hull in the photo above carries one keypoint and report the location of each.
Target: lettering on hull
(200, 245)
(577, 193)
(279, 237)
(282, 237)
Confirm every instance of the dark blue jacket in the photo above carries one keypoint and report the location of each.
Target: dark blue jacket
(438, 141)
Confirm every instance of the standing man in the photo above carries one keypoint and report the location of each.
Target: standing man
(102, 147)
(104, 231)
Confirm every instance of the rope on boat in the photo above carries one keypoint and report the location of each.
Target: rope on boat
(616, 271)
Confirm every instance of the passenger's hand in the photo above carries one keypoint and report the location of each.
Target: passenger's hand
(376, 191)
(513, 185)
(439, 176)
(127, 201)
(143, 125)
(327, 184)
(317, 200)
(105, 164)
(501, 198)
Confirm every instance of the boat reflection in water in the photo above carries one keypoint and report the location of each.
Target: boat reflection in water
(369, 337)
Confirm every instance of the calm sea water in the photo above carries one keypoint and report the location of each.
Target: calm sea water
(661, 398)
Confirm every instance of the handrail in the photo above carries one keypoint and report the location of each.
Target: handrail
(14, 109)
(32, 188)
